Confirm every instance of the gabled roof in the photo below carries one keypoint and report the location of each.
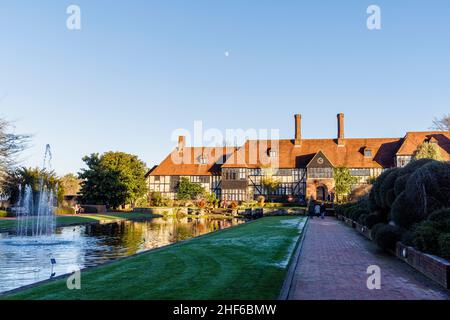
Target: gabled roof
(319, 160)
(187, 162)
(351, 154)
(413, 140)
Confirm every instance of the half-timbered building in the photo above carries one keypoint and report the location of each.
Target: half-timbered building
(304, 168)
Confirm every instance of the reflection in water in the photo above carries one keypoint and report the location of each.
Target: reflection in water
(24, 261)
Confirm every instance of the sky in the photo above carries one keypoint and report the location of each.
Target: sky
(139, 70)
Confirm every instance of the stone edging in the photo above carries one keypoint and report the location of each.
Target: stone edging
(433, 267)
(293, 263)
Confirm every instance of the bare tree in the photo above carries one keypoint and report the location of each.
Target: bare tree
(11, 145)
(442, 124)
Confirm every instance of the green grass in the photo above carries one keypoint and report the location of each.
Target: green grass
(85, 218)
(245, 262)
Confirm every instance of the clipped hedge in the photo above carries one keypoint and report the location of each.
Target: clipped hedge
(387, 236)
(373, 219)
(427, 190)
(433, 235)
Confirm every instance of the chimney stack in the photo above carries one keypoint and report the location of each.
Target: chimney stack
(181, 143)
(340, 118)
(298, 129)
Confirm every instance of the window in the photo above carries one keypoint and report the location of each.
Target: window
(360, 172)
(235, 174)
(202, 160)
(272, 153)
(318, 173)
(368, 153)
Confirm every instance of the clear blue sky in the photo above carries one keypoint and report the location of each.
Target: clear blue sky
(140, 69)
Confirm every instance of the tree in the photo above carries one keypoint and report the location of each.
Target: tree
(269, 182)
(428, 150)
(187, 190)
(11, 145)
(113, 179)
(343, 181)
(442, 124)
(70, 184)
(32, 177)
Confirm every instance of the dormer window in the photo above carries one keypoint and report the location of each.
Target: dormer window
(272, 153)
(202, 159)
(368, 153)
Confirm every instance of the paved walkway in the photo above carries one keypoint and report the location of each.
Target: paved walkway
(333, 266)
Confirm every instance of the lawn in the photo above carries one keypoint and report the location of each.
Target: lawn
(245, 262)
(85, 218)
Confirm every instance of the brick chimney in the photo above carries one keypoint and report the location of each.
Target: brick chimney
(181, 143)
(298, 129)
(340, 137)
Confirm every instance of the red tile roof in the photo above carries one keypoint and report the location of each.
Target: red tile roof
(288, 155)
(351, 154)
(187, 162)
(413, 140)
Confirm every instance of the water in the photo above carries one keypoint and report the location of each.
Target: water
(26, 260)
(35, 209)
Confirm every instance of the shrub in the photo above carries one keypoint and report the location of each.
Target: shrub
(376, 228)
(444, 245)
(357, 213)
(433, 235)
(261, 201)
(201, 204)
(427, 190)
(89, 209)
(426, 237)
(387, 237)
(234, 205)
(158, 200)
(405, 173)
(65, 211)
(187, 190)
(442, 218)
(362, 219)
(402, 212)
(373, 219)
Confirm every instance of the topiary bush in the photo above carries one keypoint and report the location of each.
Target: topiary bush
(373, 219)
(405, 173)
(444, 245)
(362, 219)
(433, 235)
(387, 236)
(375, 229)
(427, 190)
(426, 237)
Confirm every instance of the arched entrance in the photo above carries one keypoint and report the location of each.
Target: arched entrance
(321, 193)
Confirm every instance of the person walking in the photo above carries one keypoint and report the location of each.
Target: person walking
(322, 210)
(317, 210)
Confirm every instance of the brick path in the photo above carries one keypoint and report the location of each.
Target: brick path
(333, 265)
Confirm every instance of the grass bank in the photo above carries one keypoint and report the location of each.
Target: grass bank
(84, 219)
(245, 262)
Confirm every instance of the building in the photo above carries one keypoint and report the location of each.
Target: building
(304, 168)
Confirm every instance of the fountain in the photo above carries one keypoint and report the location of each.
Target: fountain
(35, 209)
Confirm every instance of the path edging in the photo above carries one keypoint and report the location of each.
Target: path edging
(288, 281)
